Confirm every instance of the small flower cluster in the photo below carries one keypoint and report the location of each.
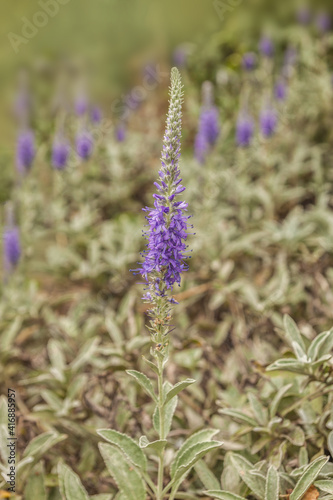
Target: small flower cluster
(209, 128)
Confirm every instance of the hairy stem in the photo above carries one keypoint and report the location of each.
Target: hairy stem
(160, 494)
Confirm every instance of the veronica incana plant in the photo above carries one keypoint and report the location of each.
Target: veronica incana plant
(164, 262)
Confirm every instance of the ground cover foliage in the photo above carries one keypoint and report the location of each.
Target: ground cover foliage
(254, 322)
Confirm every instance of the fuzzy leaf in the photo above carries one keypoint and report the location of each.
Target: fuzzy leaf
(223, 495)
(259, 411)
(145, 383)
(157, 446)
(288, 365)
(197, 437)
(293, 333)
(70, 484)
(272, 484)
(168, 409)
(40, 444)
(321, 345)
(256, 482)
(239, 416)
(192, 455)
(177, 388)
(151, 365)
(206, 476)
(308, 477)
(325, 485)
(129, 447)
(277, 398)
(127, 478)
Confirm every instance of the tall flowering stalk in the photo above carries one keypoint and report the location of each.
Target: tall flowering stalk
(11, 242)
(164, 262)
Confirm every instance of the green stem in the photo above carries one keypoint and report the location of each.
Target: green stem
(308, 397)
(160, 494)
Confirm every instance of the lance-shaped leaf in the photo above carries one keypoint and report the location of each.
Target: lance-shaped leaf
(223, 495)
(129, 447)
(177, 388)
(40, 444)
(198, 437)
(151, 365)
(239, 416)
(321, 345)
(289, 365)
(145, 383)
(272, 484)
(157, 446)
(253, 480)
(325, 485)
(259, 411)
(293, 333)
(168, 411)
(70, 484)
(206, 476)
(308, 477)
(127, 478)
(277, 398)
(192, 455)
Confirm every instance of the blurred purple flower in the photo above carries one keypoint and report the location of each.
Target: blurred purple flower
(266, 46)
(268, 121)
(121, 132)
(25, 150)
(180, 57)
(81, 105)
(303, 15)
(84, 144)
(60, 153)
(323, 22)
(280, 90)
(96, 114)
(249, 61)
(244, 129)
(201, 147)
(11, 242)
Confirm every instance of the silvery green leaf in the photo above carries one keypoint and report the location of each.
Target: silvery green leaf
(40, 444)
(197, 437)
(168, 410)
(325, 485)
(330, 443)
(293, 333)
(308, 477)
(151, 365)
(303, 458)
(70, 484)
(277, 398)
(56, 355)
(52, 400)
(86, 353)
(157, 446)
(177, 388)
(145, 383)
(289, 365)
(256, 483)
(300, 355)
(272, 484)
(320, 361)
(321, 345)
(206, 476)
(129, 447)
(186, 461)
(127, 478)
(259, 411)
(223, 495)
(35, 487)
(296, 436)
(238, 416)
(9, 334)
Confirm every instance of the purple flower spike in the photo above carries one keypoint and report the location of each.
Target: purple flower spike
(280, 90)
(323, 22)
(11, 242)
(167, 223)
(96, 114)
(121, 132)
(84, 145)
(249, 61)
(25, 151)
(201, 147)
(60, 153)
(244, 130)
(81, 105)
(266, 46)
(268, 122)
(209, 124)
